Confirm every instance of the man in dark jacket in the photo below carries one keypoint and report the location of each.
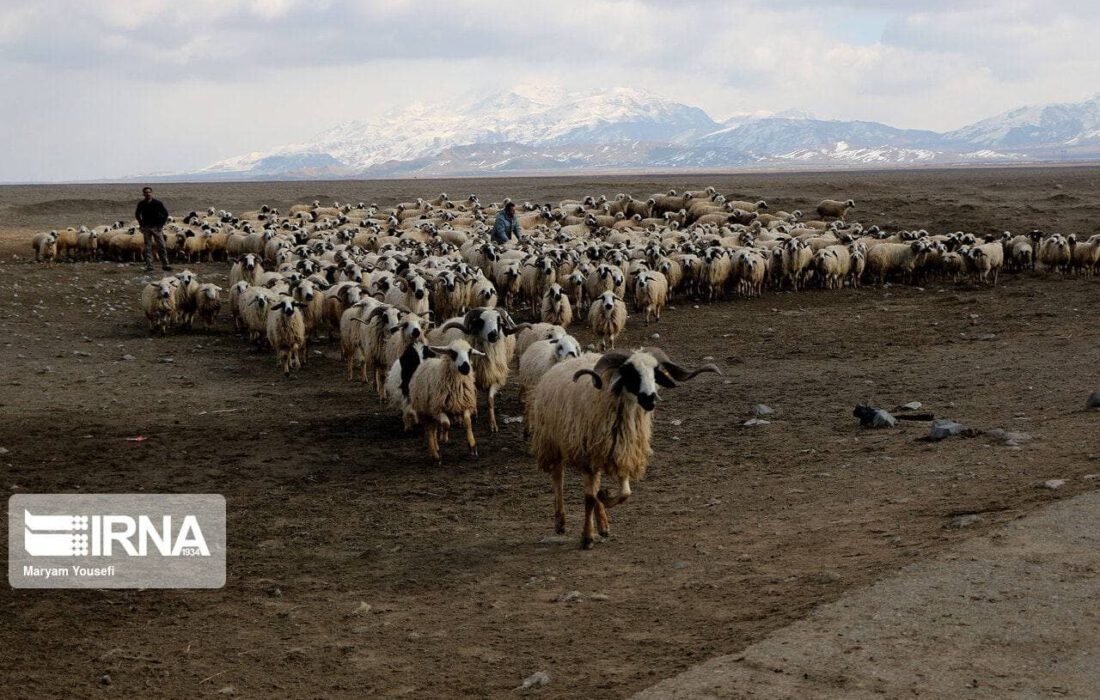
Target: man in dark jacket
(152, 215)
(506, 225)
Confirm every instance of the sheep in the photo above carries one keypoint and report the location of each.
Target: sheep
(67, 241)
(602, 428)
(556, 307)
(382, 321)
(986, 261)
(247, 267)
(313, 304)
(158, 301)
(255, 302)
(286, 333)
(758, 206)
(45, 247)
(607, 318)
(536, 332)
(1086, 256)
(541, 356)
(188, 304)
(893, 258)
(1055, 253)
(650, 293)
(482, 293)
(209, 303)
(87, 244)
(335, 300)
(410, 330)
(235, 292)
(449, 294)
(1019, 252)
(410, 292)
(835, 209)
(443, 386)
(493, 332)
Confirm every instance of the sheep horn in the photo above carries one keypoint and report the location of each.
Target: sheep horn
(677, 372)
(597, 380)
(454, 324)
(377, 311)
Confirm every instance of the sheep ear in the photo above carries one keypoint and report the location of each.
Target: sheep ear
(474, 352)
(438, 349)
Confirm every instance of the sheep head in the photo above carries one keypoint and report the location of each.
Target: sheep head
(638, 374)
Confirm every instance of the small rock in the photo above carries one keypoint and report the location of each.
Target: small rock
(81, 353)
(1094, 400)
(1090, 477)
(569, 597)
(752, 422)
(166, 360)
(535, 680)
(128, 357)
(655, 336)
(966, 520)
(874, 417)
(318, 353)
(944, 428)
(4, 450)
(680, 565)
(105, 679)
(599, 596)
(911, 406)
(508, 420)
(274, 591)
(708, 358)
(228, 690)
(676, 421)
(363, 609)
(46, 370)
(762, 410)
(1054, 484)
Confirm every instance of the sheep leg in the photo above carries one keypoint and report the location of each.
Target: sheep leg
(432, 433)
(557, 478)
(591, 489)
(602, 525)
(444, 427)
(493, 409)
(467, 421)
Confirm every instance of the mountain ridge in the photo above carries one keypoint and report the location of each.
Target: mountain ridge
(535, 129)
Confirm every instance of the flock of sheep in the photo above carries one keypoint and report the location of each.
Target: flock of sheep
(421, 302)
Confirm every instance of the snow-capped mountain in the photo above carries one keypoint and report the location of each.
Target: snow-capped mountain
(535, 129)
(1064, 125)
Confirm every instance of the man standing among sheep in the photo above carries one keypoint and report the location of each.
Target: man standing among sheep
(506, 225)
(152, 215)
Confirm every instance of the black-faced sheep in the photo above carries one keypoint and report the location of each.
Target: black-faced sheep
(594, 415)
(492, 332)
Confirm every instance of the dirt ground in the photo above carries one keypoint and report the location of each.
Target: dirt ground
(735, 532)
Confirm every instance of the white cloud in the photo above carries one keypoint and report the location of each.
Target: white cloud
(204, 79)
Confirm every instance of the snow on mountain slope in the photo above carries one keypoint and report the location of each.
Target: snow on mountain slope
(534, 128)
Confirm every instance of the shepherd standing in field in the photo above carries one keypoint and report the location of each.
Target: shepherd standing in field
(152, 215)
(506, 225)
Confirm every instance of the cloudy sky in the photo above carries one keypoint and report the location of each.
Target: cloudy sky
(106, 88)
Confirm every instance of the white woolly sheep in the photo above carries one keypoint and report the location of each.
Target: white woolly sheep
(286, 333)
(607, 318)
(158, 301)
(834, 209)
(556, 308)
(493, 332)
(599, 429)
(986, 262)
(536, 332)
(45, 247)
(650, 293)
(541, 356)
(209, 303)
(1055, 253)
(443, 386)
(248, 267)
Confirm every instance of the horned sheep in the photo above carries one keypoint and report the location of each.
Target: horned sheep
(601, 428)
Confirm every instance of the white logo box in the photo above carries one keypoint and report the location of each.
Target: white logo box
(116, 541)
